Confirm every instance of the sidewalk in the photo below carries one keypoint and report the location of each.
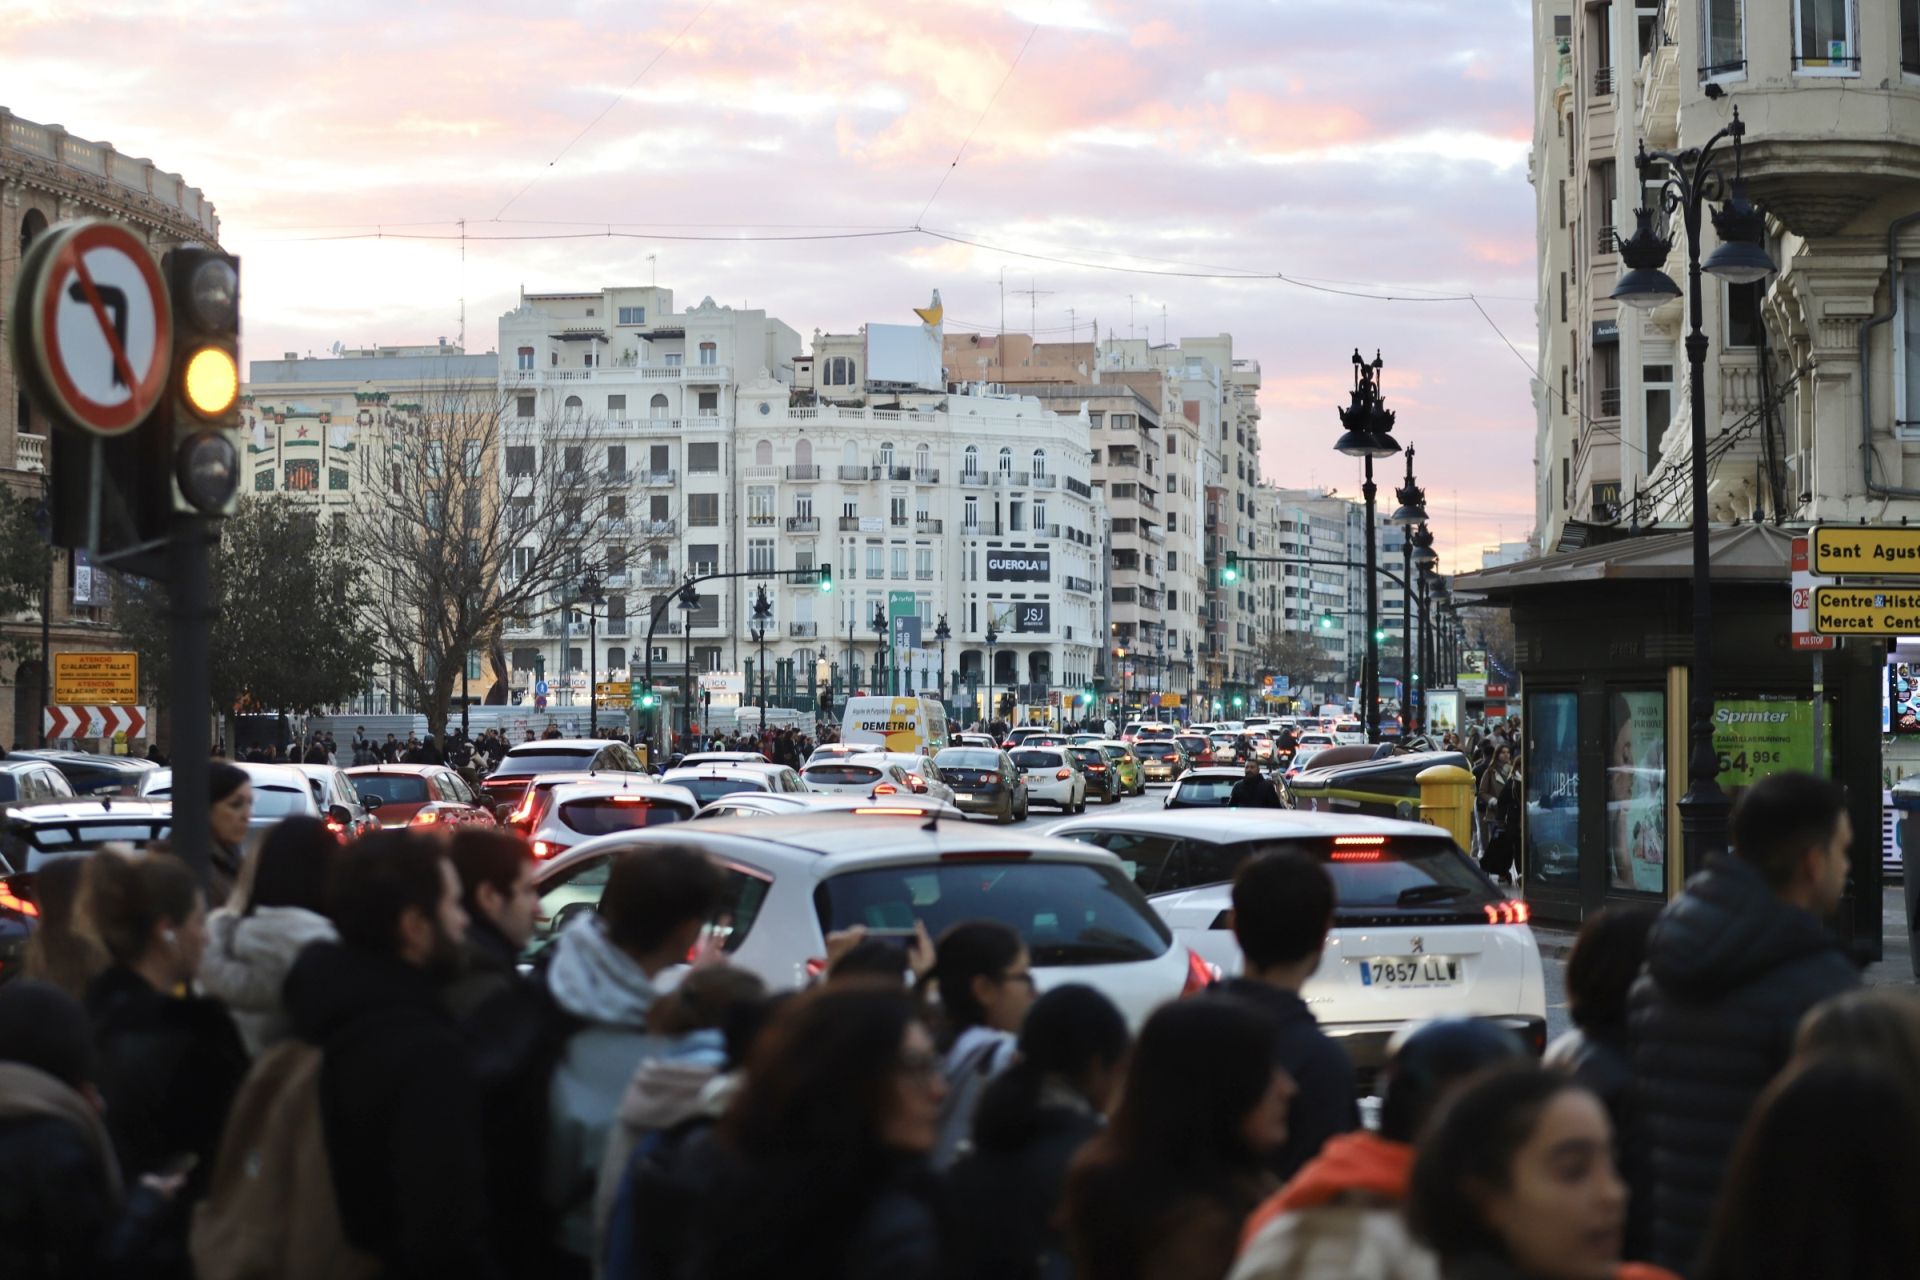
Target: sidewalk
(1896, 969)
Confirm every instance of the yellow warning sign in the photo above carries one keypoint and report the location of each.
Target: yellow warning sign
(1861, 552)
(1866, 611)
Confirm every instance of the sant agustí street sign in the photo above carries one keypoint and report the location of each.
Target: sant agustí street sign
(1865, 551)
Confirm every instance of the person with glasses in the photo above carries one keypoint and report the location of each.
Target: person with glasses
(984, 978)
(825, 1151)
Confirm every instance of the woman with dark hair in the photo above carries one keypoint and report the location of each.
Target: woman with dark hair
(1162, 1193)
(827, 1147)
(1824, 1181)
(61, 950)
(1004, 1195)
(1515, 1180)
(251, 949)
(230, 805)
(1607, 957)
(985, 981)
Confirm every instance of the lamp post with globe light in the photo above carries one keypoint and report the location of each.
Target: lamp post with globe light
(1368, 435)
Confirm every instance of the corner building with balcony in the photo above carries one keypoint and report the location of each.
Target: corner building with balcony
(49, 176)
(1812, 374)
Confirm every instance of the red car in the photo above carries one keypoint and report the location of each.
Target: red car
(419, 795)
(1199, 749)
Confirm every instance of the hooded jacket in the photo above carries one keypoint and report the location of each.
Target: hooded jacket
(609, 995)
(1324, 1103)
(1731, 969)
(1340, 1216)
(248, 958)
(399, 1109)
(665, 1092)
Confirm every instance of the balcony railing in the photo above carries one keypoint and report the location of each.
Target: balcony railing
(803, 630)
(853, 473)
(618, 578)
(762, 520)
(849, 524)
(1041, 480)
(1602, 81)
(658, 528)
(1604, 239)
(927, 475)
(614, 627)
(616, 475)
(1014, 478)
(659, 479)
(1609, 402)
(618, 525)
(1047, 531)
(973, 478)
(923, 575)
(1081, 585)
(29, 452)
(803, 524)
(803, 473)
(926, 524)
(897, 522)
(658, 576)
(893, 473)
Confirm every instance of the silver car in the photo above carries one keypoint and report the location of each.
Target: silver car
(579, 811)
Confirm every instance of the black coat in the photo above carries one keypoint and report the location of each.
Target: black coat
(1253, 793)
(1001, 1205)
(1325, 1103)
(168, 1069)
(1731, 970)
(59, 1217)
(400, 1110)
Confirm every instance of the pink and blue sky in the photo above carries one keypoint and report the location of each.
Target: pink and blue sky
(1380, 144)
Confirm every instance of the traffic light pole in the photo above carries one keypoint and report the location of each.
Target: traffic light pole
(661, 605)
(189, 557)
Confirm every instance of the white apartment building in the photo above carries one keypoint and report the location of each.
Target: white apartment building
(1808, 400)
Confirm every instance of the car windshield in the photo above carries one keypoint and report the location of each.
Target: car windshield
(706, 789)
(604, 815)
(1192, 741)
(392, 788)
(1205, 790)
(967, 758)
(842, 775)
(546, 760)
(1068, 913)
(1037, 759)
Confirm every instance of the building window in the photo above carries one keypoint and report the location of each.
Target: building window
(519, 459)
(970, 514)
(1906, 392)
(900, 563)
(1006, 461)
(1823, 39)
(923, 563)
(709, 404)
(616, 659)
(523, 406)
(1601, 182)
(522, 561)
(1910, 37)
(1724, 51)
(1606, 371)
(1743, 314)
(970, 462)
(803, 505)
(703, 457)
(760, 555)
(703, 509)
(1600, 47)
(1039, 463)
(703, 557)
(1656, 381)
(657, 408)
(616, 461)
(675, 359)
(763, 453)
(876, 561)
(760, 504)
(616, 406)
(886, 454)
(709, 354)
(633, 315)
(572, 404)
(837, 372)
(524, 359)
(922, 461)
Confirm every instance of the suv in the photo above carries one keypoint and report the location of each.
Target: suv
(34, 833)
(984, 780)
(26, 779)
(793, 880)
(1052, 777)
(1419, 931)
(508, 783)
(90, 774)
(420, 795)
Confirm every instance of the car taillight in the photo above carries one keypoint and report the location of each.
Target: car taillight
(816, 967)
(11, 901)
(1508, 911)
(1096, 768)
(894, 811)
(918, 783)
(886, 789)
(339, 829)
(1200, 974)
(548, 849)
(424, 818)
(523, 811)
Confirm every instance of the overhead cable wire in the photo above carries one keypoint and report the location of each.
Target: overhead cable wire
(982, 119)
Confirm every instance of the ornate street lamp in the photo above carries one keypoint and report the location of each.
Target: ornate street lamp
(993, 638)
(1411, 511)
(943, 633)
(1692, 180)
(1369, 435)
(880, 677)
(762, 618)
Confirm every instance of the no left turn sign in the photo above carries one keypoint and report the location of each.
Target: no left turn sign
(93, 326)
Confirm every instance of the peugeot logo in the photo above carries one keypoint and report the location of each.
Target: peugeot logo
(1419, 945)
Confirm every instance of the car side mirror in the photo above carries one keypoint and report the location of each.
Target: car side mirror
(372, 802)
(340, 814)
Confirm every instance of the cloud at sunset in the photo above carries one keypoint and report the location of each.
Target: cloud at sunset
(1370, 144)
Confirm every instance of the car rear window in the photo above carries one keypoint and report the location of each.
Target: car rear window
(393, 788)
(1037, 759)
(1205, 790)
(1068, 913)
(968, 759)
(705, 789)
(1192, 742)
(1371, 874)
(842, 775)
(1117, 752)
(546, 760)
(279, 802)
(29, 846)
(1088, 755)
(604, 815)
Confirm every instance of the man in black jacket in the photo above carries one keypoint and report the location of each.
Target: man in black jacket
(1732, 965)
(398, 1101)
(1253, 791)
(1282, 909)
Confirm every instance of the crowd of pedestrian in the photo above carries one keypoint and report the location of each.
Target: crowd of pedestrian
(341, 1070)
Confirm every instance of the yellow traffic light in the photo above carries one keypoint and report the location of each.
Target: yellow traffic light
(211, 382)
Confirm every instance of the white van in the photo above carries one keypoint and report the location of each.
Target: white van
(910, 725)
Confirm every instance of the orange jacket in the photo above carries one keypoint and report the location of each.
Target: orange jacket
(1358, 1162)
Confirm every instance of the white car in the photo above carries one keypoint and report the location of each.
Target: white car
(1349, 733)
(923, 775)
(578, 811)
(836, 751)
(279, 791)
(724, 757)
(709, 782)
(1051, 777)
(1309, 746)
(792, 880)
(1419, 930)
(866, 776)
(764, 804)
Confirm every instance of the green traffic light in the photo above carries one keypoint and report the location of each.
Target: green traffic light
(1239, 701)
(826, 577)
(1380, 636)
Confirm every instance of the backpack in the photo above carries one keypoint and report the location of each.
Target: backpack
(270, 1211)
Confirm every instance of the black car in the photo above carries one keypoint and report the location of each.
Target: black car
(33, 833)
(91, 774)
(984, 781)
(1103, 779)
(1208, 788)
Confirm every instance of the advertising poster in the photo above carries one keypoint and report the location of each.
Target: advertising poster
(1019, 566)
(1755, 737)
(1637, 791)
(1903, 692)
(1551, 769)
(1472, 676)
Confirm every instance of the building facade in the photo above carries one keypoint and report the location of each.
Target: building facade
(1807, 380)
(49, 176)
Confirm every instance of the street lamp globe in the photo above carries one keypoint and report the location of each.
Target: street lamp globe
(1644, 285)
(1742, 255)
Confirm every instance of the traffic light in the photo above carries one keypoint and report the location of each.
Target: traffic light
(648, 701)
(1232, 572)
(204, 392)
(1326, 620)
(1238, 702)
(825, 579)
(1379, 635)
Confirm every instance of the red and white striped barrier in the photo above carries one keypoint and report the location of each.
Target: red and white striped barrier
(94, 722)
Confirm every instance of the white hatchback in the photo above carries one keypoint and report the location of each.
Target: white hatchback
(792, 880)
(578, 811)
(867, 775)
(1419, 930)
(1051, 777)
(923, 775)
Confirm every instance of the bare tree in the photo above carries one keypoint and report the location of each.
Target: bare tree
(478, 513)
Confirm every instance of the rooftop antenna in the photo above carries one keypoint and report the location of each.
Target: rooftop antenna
(463, 284)
(1033, 310)
(653, 264)
(1163, 324)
